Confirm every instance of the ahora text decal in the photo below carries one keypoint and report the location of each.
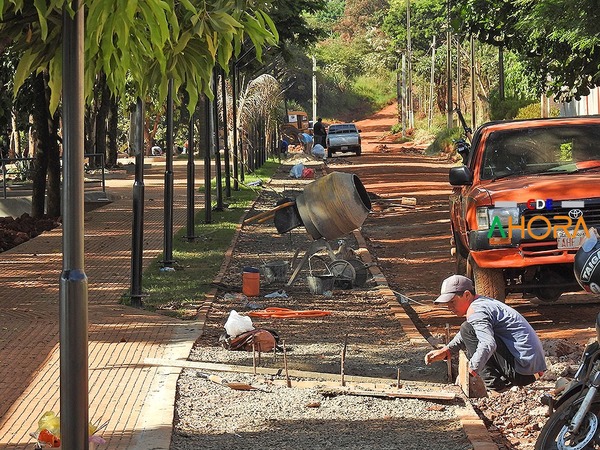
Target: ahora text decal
(561, 223)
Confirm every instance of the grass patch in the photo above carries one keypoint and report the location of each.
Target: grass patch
(199, 261)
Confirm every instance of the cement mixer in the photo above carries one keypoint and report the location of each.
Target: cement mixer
(329, 208)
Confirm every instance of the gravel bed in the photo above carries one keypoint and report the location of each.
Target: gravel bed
(209, 415)
(276, 417)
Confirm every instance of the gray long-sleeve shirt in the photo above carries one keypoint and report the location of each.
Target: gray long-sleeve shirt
(491, 318)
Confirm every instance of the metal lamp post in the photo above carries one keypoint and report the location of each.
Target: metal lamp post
(73, 300)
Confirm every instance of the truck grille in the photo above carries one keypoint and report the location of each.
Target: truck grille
(591, 214)
(548, 247)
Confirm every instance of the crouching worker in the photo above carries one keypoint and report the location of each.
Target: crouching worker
(502, 347)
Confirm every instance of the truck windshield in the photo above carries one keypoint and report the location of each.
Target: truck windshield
(534, 150)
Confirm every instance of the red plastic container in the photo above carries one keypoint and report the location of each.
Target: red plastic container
(251, 283)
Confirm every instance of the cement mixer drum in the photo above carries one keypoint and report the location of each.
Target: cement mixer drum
(333, 205)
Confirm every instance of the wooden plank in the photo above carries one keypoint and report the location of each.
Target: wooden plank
(267, 214)
(366, 389)
(200, 365)
(473, 387)
(401, 393)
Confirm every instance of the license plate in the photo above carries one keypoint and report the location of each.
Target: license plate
(563, 241)
(344, 147)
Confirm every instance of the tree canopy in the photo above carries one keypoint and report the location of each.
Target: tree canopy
(558, 39)
(137, 44)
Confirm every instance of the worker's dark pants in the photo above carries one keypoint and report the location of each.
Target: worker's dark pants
(499, 372)
(319, 139)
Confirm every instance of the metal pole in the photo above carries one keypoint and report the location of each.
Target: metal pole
(431, 81)
(215, 141)
(225, 137)
(399, 91)
(206, 142)
(74, 413)
(191, 180)
(449, 108)
(103, 160)
(168, 188)
(234, 90)
(409, 92)
(4, 174)
(314, 89)
(473, 96)
(458, 77)
(501, 72)
(137, 232)
(404, 102)
(241, 139)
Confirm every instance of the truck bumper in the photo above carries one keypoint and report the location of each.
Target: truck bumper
(516, 251)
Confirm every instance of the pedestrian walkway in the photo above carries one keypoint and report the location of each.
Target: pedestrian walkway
(136, 400)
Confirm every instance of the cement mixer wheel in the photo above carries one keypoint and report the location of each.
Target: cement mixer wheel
(344, 273)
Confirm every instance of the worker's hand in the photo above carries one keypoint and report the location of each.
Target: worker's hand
(437, 355)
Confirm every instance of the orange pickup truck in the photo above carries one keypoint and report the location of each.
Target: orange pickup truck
(523, 203)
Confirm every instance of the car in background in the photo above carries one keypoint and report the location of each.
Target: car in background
(343, 137)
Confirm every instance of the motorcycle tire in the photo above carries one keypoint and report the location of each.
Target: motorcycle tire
(555, 434)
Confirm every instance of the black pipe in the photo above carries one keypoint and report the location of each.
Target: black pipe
(218, 170)
(225, 137)
(234, 88)
(205, 139)
(168, 188)
(137, 232)
(191, 172)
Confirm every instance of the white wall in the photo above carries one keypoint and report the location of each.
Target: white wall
(589, 104)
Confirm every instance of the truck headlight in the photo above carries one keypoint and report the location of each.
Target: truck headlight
(485, 216)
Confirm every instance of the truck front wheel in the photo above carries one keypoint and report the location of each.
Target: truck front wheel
(488, 282)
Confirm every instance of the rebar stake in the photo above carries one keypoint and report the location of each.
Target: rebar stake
(285, 366)
(343, 359)
(448, 359)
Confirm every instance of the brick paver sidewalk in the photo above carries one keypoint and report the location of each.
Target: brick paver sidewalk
(136, 400)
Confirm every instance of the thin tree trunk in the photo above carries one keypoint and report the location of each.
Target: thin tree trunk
(54, 175)
(89, 122)
(113, 145)
(31, 138)
(15, 141)
(41, 116)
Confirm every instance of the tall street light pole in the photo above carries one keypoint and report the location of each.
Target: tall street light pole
(191, 181)
(409, 93)
(473, 96)
(449, 108)
(168, 188)
(73, 302)
(314, 89)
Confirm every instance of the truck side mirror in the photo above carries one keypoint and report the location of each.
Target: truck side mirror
(460, 176)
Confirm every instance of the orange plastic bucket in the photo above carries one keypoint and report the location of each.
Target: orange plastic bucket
(251, 282)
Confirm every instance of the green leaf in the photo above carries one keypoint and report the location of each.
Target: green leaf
(55, 83)
(24, 69)
(182, 42)
(40, 5)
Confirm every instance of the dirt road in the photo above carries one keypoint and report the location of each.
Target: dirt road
(411, 244)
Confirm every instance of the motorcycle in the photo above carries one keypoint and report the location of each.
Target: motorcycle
(573, 423)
